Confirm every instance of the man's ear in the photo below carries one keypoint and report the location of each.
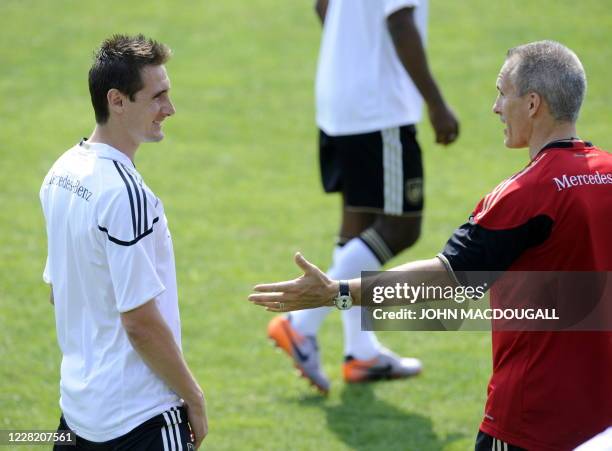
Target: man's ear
(116, 100)
(535, 103)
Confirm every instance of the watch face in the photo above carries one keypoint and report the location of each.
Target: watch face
(344, 302)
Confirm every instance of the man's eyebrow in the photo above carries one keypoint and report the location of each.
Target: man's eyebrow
(163, 91)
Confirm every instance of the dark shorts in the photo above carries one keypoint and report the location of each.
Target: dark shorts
(168, 431)
(484, 442)
(379, 172)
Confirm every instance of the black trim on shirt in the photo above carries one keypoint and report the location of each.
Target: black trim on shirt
(475, 252)
(127, 186)
(128, 243)
(564, 144)
(139, 227)
(144, 203)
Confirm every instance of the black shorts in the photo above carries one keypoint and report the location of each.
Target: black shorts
(168, 431)
(484, 442)
(379, 172)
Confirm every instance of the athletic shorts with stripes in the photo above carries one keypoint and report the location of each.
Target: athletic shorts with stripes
(378, 172)
(168, 431)
(484, 442)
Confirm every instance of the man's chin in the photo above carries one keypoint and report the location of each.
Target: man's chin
(157, 137)
(512, 144)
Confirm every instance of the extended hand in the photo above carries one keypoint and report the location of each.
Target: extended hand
(311, 290)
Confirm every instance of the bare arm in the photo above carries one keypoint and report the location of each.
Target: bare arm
(315, 289)
(427, 272)
(153, 340)
(410, 50)
(321, 9)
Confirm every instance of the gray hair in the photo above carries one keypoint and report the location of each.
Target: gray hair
(554, 72)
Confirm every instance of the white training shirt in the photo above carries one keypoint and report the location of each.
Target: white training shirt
(109, 251)
(361, 84)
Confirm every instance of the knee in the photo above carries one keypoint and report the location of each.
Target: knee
(403, 238)
(411, 235)
(399, 233)
(387, 240)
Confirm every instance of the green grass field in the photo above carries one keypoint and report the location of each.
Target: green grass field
(239, 179)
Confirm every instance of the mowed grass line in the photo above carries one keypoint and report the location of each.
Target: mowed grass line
(239, 180)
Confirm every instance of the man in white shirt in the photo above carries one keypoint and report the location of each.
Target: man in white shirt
(110, 263)
(371, 81)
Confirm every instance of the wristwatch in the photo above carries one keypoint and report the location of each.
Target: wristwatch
(344, 300)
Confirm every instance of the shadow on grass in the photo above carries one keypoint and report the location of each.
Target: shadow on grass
(363, 422)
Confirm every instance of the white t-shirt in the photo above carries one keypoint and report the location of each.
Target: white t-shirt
(109, 251)
(361, 84)
(601, 442)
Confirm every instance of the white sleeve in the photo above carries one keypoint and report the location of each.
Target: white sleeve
(43, 202)
(128, 222)
(392, 6)
(600, 442)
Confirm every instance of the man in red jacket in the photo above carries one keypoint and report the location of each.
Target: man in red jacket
(549, 390)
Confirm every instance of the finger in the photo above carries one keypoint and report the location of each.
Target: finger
(441, 138)
(278, 308)
(276, 304)
(304, 264)
(268, 297)
(446, 137)
(274, 287)
(198, 438)
(196, 435)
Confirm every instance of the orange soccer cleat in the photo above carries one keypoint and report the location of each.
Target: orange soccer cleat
(386, 365)
(303, 350)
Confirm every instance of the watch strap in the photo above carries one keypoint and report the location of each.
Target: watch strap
(344, 289)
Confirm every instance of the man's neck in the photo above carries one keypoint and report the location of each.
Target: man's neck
(108, 135)
(555, 132)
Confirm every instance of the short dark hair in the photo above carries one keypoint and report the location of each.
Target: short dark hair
(117, 64)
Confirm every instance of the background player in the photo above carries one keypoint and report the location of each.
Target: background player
(371, 80)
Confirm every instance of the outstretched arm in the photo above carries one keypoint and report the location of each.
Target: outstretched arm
(314, 289)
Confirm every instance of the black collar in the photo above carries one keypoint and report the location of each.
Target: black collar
(566, 144)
